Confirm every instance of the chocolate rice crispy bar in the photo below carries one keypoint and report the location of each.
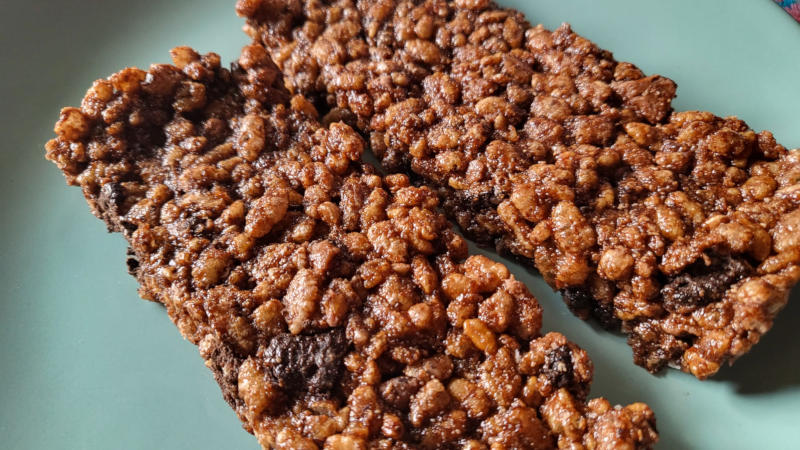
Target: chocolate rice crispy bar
(678, 228)
(336, 308)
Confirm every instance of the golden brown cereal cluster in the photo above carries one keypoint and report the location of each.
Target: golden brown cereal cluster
(337, 308)
(677, 228)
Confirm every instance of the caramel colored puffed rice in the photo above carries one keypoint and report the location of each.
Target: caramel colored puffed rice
(676, 228)
(336, 307)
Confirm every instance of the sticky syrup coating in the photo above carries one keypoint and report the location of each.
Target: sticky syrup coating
(676, 228)
(336, 308)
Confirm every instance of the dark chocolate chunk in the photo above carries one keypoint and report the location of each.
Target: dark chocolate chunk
(653, 349)
(311, 363)
(558, 367)
(703, 284)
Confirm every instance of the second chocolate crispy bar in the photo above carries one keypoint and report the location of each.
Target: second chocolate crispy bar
(676, 228)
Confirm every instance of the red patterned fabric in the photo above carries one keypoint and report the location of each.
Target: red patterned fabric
(791, 6)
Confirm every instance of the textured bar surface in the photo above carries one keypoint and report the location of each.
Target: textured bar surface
(336, 308)
(680, 229)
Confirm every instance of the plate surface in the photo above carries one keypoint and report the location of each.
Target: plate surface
(85, 364)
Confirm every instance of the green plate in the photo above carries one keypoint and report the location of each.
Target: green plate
(85, 364)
